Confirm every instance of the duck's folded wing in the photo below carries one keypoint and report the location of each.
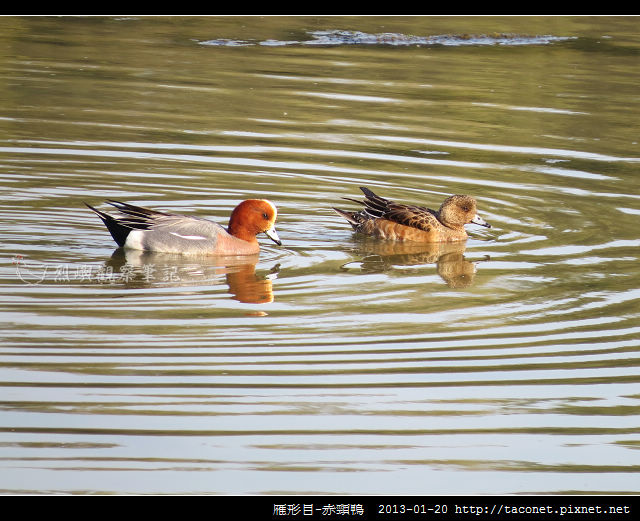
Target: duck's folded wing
(135, 216)
(417, 217)
(177, 234)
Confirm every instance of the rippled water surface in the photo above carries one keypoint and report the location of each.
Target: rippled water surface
(331, 364)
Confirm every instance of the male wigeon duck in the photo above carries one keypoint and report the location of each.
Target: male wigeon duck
(384, 219)
(140, 228)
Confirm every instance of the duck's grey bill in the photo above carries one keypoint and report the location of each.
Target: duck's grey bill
(479, 220)
(273, 235)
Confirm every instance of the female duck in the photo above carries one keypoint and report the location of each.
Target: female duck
(385, 219)
(141, 228)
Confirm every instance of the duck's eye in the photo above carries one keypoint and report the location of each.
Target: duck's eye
(266, 217)
(465, 208)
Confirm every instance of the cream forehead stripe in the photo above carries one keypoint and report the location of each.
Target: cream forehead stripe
(273, 206)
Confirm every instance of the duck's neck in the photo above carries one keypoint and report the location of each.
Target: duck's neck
(237, 245)
(242, 232)
(448, 224)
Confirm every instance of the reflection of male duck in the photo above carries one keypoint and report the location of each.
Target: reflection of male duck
(144, 268)
(452, 267)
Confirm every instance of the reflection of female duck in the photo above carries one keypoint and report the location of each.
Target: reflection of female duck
(384, 219)
(452, 267)
(145, 268)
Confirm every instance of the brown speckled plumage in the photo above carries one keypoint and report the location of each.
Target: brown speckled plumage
(386, 219)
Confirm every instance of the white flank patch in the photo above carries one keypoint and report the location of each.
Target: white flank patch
(134, 240)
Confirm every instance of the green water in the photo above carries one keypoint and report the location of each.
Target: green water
(331, 364)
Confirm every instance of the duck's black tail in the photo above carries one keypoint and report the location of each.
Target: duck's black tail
(118, 231)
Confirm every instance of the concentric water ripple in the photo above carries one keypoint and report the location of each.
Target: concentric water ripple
(332, 364)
